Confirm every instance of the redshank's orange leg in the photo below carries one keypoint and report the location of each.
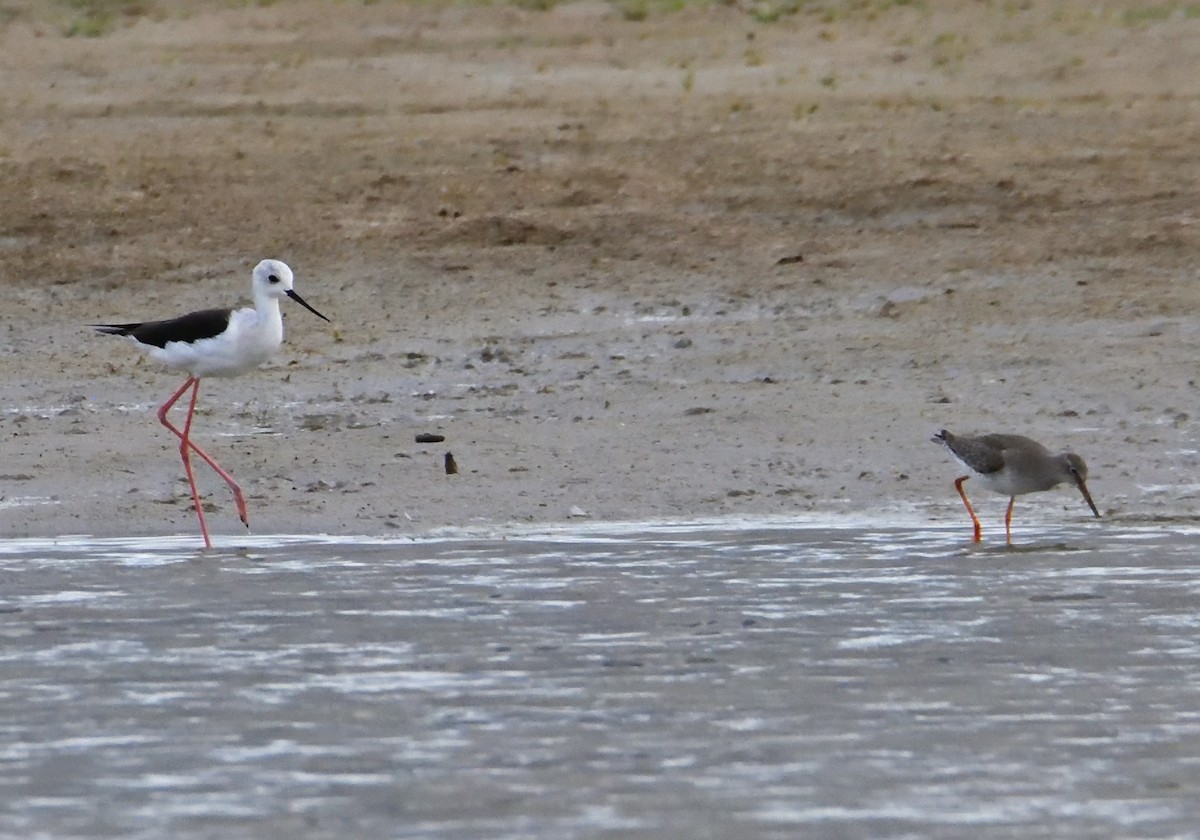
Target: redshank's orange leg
(958, 485)
(1008, 520)
(186, 443)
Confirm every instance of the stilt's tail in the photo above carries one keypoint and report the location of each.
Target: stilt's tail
(116, 329)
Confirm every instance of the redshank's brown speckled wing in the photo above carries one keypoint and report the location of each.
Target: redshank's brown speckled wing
(983, 454)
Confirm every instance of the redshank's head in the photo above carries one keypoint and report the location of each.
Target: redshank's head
(273, 279)
(1076, 471)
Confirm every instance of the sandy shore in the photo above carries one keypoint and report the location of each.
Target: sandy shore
(680, 267)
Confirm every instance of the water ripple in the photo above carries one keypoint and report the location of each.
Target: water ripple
(723, 678)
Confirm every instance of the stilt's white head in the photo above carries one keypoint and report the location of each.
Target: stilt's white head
(273, 279)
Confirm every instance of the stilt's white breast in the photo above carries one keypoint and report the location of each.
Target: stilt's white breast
(249, 341)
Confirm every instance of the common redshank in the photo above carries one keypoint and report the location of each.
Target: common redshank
(1012, 465)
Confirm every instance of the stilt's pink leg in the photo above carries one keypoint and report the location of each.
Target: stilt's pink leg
(185, 443)
(194, 384)
(958, 485)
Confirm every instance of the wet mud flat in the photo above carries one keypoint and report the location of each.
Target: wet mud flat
(720, 680)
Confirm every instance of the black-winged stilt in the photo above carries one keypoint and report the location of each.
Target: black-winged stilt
(1012, 465)
(216, 342)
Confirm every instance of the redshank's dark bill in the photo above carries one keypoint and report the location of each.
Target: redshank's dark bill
(1012, 465)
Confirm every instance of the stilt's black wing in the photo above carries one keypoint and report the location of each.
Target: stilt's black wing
(207, 323)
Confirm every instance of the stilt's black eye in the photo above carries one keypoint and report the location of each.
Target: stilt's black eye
(272, 278)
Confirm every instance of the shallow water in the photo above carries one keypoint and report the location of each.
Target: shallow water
(729, 679)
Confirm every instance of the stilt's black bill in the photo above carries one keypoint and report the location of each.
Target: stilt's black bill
(292, 294)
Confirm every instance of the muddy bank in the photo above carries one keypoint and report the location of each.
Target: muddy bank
(686, 266)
